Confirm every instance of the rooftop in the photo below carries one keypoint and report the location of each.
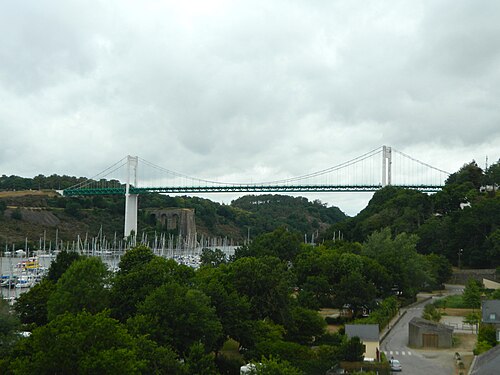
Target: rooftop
(367, 332)
(430, 325)
(487, 363)
(490, 311)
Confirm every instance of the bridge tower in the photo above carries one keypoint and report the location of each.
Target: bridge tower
(386, 165)
(131, 200)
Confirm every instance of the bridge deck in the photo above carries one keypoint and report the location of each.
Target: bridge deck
(242, 189)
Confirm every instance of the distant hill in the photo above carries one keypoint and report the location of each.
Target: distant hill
(266, 212)
(34, 213)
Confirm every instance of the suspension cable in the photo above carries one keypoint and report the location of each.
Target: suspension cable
(108, 171)
(287, 180)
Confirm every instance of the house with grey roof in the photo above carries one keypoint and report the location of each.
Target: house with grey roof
(487, 363)
(490, 314)
(369, 336)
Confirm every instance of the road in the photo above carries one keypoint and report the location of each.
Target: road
(417, 362)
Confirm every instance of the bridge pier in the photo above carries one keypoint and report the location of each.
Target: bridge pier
(386, 165)
(131, 200)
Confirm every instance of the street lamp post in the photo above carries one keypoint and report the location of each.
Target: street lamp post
(460, 258)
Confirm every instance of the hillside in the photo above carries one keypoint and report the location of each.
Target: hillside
(464, 217)
(33, 214)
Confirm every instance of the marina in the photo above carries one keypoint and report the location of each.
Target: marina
(23, 268)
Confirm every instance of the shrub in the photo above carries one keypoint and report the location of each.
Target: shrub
(487, 334)
(431, 313)
(481, 347)
(16, 214)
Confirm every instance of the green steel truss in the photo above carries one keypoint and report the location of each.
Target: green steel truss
(242, 189)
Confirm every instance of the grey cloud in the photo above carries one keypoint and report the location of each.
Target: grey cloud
(238, 89)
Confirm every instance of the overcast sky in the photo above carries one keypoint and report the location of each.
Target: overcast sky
(246, 90)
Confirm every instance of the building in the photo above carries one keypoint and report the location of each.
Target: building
(369, 336)
(490, 284)
(487, 363)
(490, 314)
(427, 334)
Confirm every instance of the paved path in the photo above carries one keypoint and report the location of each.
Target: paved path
(394, 340)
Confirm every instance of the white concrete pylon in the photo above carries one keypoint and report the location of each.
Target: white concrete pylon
(131, 200)
(386, 165)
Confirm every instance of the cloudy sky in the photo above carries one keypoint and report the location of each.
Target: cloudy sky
(246, 90)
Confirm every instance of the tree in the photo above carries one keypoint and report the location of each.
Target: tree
(492, 174)
(176, 315)
(3, 206)
(16, 214)
(304, 325)
(199, 362)
(159, 359)
(473, 319)
(319, 262)
(495, 294)
(297, 355)
(232, 309)
(492, 247)
(31, 306)
(487, 333)
(481, 347)
(352, 350)
(431, 313)
(9, 326)
(212, 258)
(472, 294)
(62, 262)
(73, 208)
(316, 292)
(79, 344)
(133, 286)
(470, 172)
(83, 286)
(274, 366)
(408, 269)
(267, 284)
(356, 292)
(260, 331)
(440, 267)
(137, 257)
(280, 243)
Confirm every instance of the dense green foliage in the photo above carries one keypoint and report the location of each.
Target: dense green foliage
(104, 214)
(431, 313)
(155, 311)
(82, 287)
(53, 182)
(486, 339)
(249, 215)
(155, 316)
(60, 264)
(264, 213)
(442, 225)
(9, 325)
(472, 294)
(32, 307)
(98, 345)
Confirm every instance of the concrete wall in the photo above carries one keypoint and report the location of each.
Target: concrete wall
(371, 349)
(461, 276)
(416, 336)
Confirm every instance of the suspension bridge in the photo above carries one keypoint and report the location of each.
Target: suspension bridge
(366, 173)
